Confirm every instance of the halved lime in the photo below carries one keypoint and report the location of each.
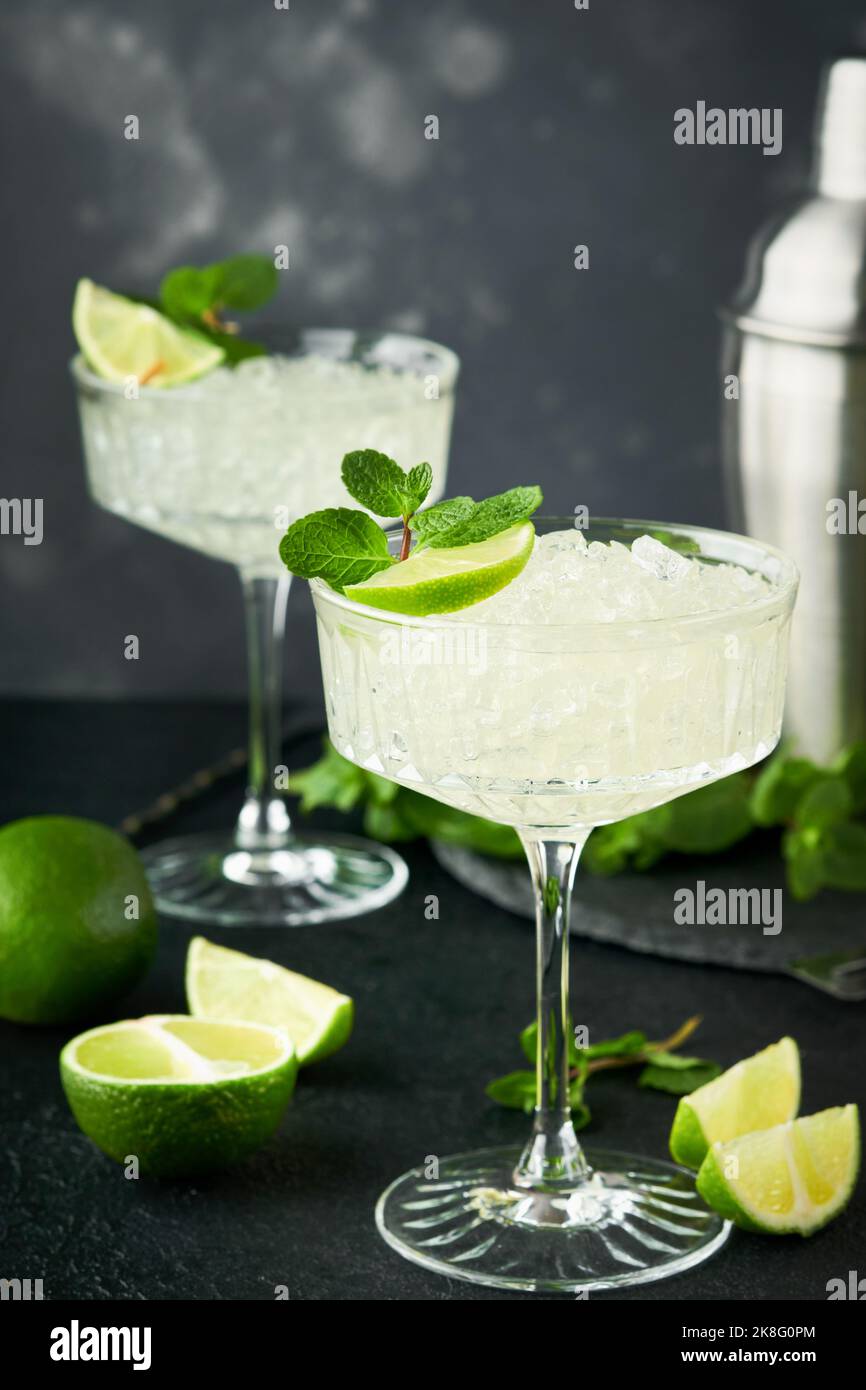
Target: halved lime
(221, 983)
(789, 1180)
(758, 1092)
(182, 1095)
(121, 339)
(441, 581)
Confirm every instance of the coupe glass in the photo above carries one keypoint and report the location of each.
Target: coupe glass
(223, 465)
(555, 729)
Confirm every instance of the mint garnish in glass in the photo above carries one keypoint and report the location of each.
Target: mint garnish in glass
(463, 550)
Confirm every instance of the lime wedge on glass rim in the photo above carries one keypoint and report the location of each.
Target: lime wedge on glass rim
(182, 1095)
(221, 983)
(121, 339)
(788, 1180)
(441, 581)
(757, 1093)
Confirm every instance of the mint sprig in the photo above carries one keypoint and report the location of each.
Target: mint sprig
(198, 297)
(662, 1069)
(381, 485)
(491, 516)
(823, 839)
(337, 547)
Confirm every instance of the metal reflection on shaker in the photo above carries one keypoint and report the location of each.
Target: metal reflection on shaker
(794, 436)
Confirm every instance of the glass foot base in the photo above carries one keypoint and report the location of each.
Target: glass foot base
(633, 1220)
(206, 878)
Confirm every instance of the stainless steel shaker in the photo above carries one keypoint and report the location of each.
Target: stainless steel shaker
(794, 417)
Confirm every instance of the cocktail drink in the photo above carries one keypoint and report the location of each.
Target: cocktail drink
(222, 465)
(626, 664)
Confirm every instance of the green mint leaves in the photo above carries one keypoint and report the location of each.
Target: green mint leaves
(241, 284)
(820, 812)
(381, 485)
(662, 1069)
(441, 518)
(339, 545)
(198, 296)
(491, 516)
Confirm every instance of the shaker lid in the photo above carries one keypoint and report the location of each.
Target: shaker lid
(805, 277)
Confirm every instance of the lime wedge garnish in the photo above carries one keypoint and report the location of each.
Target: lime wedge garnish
(791, 1179)
(183, 1095)
(121, 339)
(758, 1092)
(228, 984)
(441, 581)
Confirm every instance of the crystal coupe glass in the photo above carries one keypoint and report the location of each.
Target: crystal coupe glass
(223, 465)
(555, 728)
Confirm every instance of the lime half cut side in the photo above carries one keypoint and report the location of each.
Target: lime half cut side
(180, 1095)
(221, 983)
(121, 339)
(757, 1093)
(441, 581)
(789, 1180)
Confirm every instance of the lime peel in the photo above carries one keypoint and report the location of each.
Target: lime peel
(447, 579)
(791, 1179)
(123, 340)
(757, 1093)
(180, 1095)
(223, 983)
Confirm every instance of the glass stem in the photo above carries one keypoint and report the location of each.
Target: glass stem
(553, 1157)
(263, 823)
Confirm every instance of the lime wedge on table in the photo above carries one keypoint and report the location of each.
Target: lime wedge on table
(791, 1179)
(228, 984)
(121, 339)
(184, 1095)
(758, 1092)
(441, 581)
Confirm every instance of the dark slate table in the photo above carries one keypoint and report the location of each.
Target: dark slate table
(439, 1004)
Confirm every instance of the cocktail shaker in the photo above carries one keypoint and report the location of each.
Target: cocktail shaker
(794, 416)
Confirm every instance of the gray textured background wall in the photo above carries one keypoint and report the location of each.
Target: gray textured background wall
(305, 127)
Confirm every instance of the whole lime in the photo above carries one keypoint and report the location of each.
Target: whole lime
(77, 921)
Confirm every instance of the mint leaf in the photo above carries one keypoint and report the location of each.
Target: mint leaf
(387, 822)
(491, 516)
(516, 1091)
(617, 1047)
(580, 1112)
(844, 857)
(436, 821)
(826, 803)
(442, 517)
(189, 291)
(678, 1076)
(418, 483)
(706, 821)
(611, 849)
(332, 781)
(804, 854)
(244, 283)
(236, 349)
(779, 786)
(376, 481)
(851, 764)
(709, 819)
(338, 545)
(674, 1061)
(684, 545)
(240, 283)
